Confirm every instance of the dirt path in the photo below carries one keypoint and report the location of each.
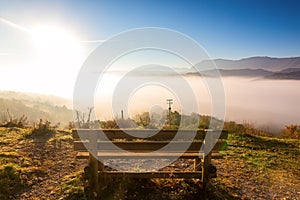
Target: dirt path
(52, 160)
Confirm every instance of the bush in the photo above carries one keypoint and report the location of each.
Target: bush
(43, 128)
(292, 131)
(11, 122)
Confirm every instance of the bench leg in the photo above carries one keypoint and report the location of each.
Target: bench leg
(205, 170)
(93, 178)
(197, 164)
(101, 178)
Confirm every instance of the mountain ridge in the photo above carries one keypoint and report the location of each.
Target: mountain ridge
(266, 63)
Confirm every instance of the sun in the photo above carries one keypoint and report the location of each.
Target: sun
(58, 53)
(53, 39)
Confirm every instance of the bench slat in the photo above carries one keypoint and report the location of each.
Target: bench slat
(135, 146)
(132, 134)
(147, 175)
(127, 155)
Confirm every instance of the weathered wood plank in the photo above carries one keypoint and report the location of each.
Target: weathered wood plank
(147, 134)
(127, 155)
(137, 146)
(147, 175)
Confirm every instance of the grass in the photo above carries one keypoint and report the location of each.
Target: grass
(10, 181)
(253, 167)
(266, 153)
(20, 166)
(72, 187)
(264, 167)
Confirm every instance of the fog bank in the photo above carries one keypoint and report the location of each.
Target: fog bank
(271, 104)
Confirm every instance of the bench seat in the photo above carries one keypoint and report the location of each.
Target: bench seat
(147, 155)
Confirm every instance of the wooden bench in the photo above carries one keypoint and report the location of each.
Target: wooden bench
(144, 144)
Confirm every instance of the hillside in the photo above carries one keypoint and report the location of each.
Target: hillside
(35, 107)
(35, 97)
(44, 167)
(289, 75)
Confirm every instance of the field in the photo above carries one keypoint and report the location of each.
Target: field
(42, 165)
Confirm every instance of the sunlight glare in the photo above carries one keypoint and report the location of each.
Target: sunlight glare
(58, 53)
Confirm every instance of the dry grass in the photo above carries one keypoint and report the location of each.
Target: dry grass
(44, 167)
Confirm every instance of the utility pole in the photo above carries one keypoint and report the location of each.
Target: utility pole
(170, 102)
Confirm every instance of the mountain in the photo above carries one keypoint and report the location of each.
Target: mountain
(262, 67)
(288, 70)
(294, 75)
(35, 107)
(266, 63)
(238, 72)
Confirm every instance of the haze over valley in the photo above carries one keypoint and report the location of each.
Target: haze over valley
(255, 98)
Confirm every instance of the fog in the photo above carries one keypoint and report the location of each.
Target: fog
(268, 103)
(271, 104)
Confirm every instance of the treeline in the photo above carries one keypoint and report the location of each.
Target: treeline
(146, 120)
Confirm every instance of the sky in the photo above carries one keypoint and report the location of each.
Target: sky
(44, 43)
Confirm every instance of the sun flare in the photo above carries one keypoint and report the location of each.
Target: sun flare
(58, 53)
(51, 39)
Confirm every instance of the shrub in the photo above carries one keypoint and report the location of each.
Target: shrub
(292, 131)
(11, 122)
(43, 128)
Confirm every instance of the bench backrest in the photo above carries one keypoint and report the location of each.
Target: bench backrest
(135, 140)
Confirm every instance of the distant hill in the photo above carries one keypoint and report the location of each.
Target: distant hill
(238, 72)
(266, 63)
(294, 75)
(34, 97)
(35, 107)
(262, 67)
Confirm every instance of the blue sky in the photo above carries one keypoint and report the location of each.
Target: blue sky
(44, 43)
(229, 29)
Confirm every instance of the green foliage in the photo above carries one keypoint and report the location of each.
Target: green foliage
(72, 187)
(117, 124)
(144, 120)
(246, 128)
(109, 124)
(10, 181)
(125, 123)
(292, 131)
(204, 122)
(266, 153)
